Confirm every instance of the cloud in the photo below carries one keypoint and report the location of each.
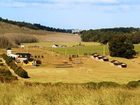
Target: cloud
(101, 5)
(46, 2)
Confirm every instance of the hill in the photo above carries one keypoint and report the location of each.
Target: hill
(35, 26)
(14, 34)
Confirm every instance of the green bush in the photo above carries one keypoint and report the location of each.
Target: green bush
(121, 46)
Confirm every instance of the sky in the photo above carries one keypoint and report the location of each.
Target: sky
(74, 14)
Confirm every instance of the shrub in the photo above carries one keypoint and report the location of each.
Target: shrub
(38, 62)
(18, 70)
(121, 46)
(6, 75)
(108, 84)
(91, 85)
(133, 84)
(5, 43)
(21, 72)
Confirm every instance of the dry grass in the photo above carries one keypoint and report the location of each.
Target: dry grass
(8, 30)
(20, 94)
(91, 70)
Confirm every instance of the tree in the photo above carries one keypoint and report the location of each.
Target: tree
(121, 46)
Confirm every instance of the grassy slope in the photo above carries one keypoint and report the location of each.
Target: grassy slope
(8, 29)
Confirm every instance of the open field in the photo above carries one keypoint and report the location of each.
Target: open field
(88, 70)
(73, 48)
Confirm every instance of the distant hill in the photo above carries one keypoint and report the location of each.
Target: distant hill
(35, 26)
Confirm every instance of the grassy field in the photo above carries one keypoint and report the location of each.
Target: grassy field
(88, 70)
(73, 48)
(88, 48)
(21, 94)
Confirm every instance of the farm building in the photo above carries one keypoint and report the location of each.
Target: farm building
(23, 56)
(9, 53)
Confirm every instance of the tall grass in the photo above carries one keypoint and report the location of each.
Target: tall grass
(21, 94)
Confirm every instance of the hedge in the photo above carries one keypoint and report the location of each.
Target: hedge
(6, 75)
(18, 70)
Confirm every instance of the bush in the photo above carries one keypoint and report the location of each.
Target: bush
(18, 70)
(108, 84)
(6, 75)
(21, 72)
(5, 42)
(133, 84)
(91, 85)
(38, 62)
(121, 46)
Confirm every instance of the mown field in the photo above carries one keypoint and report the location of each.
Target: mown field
(88, 48)
(87, 71)
(74, 48)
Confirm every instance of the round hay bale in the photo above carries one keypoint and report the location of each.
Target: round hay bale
(105, 59)
(100, 57)
(123, 65)
(113, 61)
(95, 55)
(116, 63)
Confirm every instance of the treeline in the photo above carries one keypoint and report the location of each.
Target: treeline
(106, 35)
(35, 26)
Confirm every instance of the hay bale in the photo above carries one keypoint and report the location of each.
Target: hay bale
(113, 61)
(117, 63)
(100, 57)
(105, 59)
(123, 65)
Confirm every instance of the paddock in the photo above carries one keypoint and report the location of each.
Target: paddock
(81, 69)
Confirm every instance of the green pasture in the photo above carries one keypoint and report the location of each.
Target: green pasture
(73, 48)
(81, 50)
(88, 49)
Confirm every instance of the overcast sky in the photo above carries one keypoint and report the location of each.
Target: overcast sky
(78, 14)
